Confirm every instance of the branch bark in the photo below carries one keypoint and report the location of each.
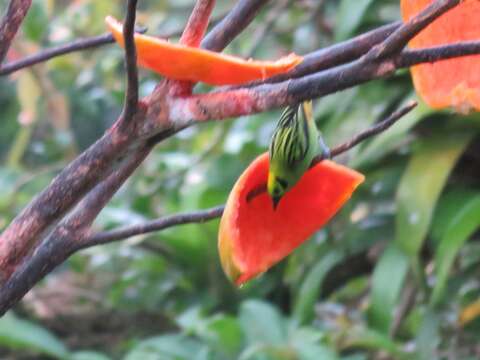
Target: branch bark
(67, 236)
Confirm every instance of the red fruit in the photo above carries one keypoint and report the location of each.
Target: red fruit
(454, 82)
(253, 236)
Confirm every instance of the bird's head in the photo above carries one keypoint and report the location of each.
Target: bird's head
(276, 188)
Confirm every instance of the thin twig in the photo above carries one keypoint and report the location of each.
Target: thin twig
(233, 24)
(197, 23)
(399, 39)
(372, 131)
(332, 56)
(45, 55)
(271, 17)
(131, 95)
(153, 226)
(74, 46)
(11, 21)
(192, 36)
(429, 55)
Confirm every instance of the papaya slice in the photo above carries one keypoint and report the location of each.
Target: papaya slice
(181, 62)
(253, 237)
(454, 82)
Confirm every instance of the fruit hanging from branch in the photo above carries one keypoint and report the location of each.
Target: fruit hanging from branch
(179, 62)
(253, 236)
(448, 83)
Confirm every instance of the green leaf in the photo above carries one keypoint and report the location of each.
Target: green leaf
(36, 22)
(428, 336)
(449, 204)
(373, 340)
(167, 347)
(262, 323)
(349, 16)
(306, 342)
(88, 355)
(387, 282)
(458, 229)
(422, 183)
(224, 333)
(310, 289)
(16, 333)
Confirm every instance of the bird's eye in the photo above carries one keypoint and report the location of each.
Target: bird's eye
(283, 183)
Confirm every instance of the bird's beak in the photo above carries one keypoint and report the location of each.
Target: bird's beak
(275, 202)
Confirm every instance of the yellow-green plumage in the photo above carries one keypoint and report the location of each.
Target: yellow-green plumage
(294, 144)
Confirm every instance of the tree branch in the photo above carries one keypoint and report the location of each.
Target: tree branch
(332, 56)
(429, 55)
(399, 39)
(374, 130)
(227, 103)
(131, 95)
(67, 236)
(152, 226)
(45, 55)
(60, 196)
(197, 23)
(11, 21)
(192, 36)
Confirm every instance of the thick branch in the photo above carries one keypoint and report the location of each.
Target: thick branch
(233, 24)
(235, 102)
(61, 195)
(131, 95)
(11, 21)
(67, 236)
(334, 55)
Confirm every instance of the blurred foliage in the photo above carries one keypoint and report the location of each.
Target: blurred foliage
(394, 275)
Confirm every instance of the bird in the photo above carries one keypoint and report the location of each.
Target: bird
(295, 142)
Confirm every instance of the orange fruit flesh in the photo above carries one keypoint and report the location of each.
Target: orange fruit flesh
(180, 62)
(454, 82)
(253, 236)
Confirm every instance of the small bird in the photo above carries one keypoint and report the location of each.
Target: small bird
(296, 141)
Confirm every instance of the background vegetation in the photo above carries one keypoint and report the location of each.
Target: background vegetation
(394, 275)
